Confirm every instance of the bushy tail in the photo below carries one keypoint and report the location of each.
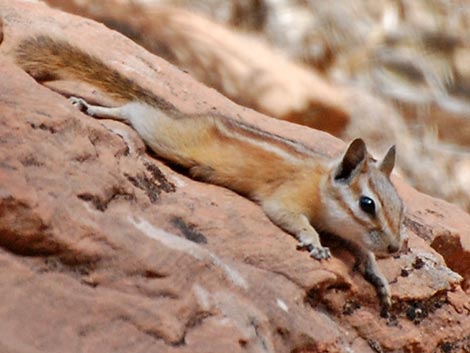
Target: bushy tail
(45, 59)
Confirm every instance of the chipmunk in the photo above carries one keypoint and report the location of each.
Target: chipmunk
(300, 190)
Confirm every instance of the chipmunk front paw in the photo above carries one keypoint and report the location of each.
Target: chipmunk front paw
(320, 253)
(317, 252)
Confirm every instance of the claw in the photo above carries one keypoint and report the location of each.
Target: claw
(317, 252)
(385, 310)
(386, 304)
(79, 103)
(320, 253)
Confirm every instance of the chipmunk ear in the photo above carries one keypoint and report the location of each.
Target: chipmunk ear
(387, 164)
(352, 162)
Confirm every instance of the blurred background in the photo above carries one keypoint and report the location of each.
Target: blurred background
(391, 72)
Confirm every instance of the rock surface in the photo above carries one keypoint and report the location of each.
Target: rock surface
(264, 78)
(104, 248)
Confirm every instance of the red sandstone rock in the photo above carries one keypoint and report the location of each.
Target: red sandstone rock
(104, 248)
(256, 75)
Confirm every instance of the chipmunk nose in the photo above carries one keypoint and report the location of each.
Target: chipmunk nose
(393, 248)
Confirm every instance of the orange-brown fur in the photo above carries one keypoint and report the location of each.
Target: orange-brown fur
(46, 59)
(207, 152)
(300, 190)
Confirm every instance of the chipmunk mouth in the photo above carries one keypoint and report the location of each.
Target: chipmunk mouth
(393, 249)
(375, 241)
(387, 252)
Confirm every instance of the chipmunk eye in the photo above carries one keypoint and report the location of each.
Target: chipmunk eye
(367, 205)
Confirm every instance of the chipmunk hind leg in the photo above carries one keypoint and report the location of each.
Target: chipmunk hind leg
(96, 111)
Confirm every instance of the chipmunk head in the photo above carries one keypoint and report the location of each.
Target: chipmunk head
(364, 206)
